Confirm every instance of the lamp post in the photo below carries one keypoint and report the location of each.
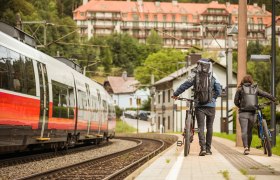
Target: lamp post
(267, 58)
(273, 67)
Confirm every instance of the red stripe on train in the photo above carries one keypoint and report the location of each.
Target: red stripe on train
(18, 110)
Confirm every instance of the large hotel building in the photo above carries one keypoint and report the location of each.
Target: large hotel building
(181, 25)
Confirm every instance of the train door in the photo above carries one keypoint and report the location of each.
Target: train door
(99, 111)
(88, 109)
(44, 98)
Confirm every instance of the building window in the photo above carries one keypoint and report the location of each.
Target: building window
(169, 95)
(260, 21)
(155, 18)
(158, 98)
(168, 122)
(159, 122)
(146, 17)
(135, 17)
(130, 101)
(173, 18)
(184, 19)
(164, 18)
(82, 14)
(163, 96)
(124, 15)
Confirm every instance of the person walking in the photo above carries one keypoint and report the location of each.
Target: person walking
(246, 99)
(206, 91)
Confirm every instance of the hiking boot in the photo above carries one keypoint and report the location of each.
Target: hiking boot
(246, 151)
(202, 152)
(208, 152)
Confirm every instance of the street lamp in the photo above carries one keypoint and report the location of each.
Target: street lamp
(267, 58)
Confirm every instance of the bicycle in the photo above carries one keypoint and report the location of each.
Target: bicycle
(263, 131)
(189, 126)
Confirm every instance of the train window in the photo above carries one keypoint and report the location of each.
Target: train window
(82, 104)
(16, 72)
(30, 85)
(4, 69)
(63, 101)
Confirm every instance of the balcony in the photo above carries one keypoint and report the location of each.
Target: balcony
(104, 26)
(104, 18)
(214, 21)
(82, 26)
(191, 29)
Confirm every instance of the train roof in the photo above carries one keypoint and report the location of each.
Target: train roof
(17, 34)
(70, 63)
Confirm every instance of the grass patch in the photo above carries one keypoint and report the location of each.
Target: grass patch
(123, 127)
(251, 178)
(225, 174)
(231, 137)
(243, 171)
(255, 141)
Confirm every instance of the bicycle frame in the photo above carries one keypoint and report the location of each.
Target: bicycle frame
(260, 126)
(263, 131)
(189, 126)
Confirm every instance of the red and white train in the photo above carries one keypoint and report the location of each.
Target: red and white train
(45, 102)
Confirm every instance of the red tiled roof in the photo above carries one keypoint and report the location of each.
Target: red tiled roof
(151, 9)
(120, 86)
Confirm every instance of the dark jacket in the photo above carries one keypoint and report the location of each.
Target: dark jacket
(238, 97)
(190, 82)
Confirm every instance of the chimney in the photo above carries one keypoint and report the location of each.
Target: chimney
(140, 2)
(263, 7)
(124, 75)
(85, 2)
(157, 3)
(174, 2)
(227, 4)
(255, 5)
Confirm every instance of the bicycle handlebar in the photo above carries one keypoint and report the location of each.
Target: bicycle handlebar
(185, 99)
(261, 106)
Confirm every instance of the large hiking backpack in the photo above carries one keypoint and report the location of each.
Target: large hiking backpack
(203, 82)
(249, 98)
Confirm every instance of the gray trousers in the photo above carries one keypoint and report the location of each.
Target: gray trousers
(201, 113)
(247, 120)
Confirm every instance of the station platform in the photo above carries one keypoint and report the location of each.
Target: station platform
(226, 162)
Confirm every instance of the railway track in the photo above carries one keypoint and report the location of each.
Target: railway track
(22, 158)
(114, 166)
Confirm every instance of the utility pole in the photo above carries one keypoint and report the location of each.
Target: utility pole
(45, 29)
(273, 67)
(242, 55)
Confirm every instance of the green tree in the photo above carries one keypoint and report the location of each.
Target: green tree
(161, 64)
(125, 51)
(154, 42)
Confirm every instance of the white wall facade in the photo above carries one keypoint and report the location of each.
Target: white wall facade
(129, 100)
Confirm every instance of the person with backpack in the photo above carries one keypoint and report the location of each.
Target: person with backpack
(206, 91)
(246, 99)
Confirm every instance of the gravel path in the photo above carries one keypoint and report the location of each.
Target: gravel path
(18, 171)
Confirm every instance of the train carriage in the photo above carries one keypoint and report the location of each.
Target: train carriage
(45, 102)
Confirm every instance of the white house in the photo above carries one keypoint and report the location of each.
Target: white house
(170, 114)
(125, 92)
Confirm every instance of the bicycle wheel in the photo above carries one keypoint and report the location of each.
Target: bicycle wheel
(266, 143)
(187, 136)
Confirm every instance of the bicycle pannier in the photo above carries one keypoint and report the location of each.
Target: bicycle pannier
(249, 100)
(203, 85)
